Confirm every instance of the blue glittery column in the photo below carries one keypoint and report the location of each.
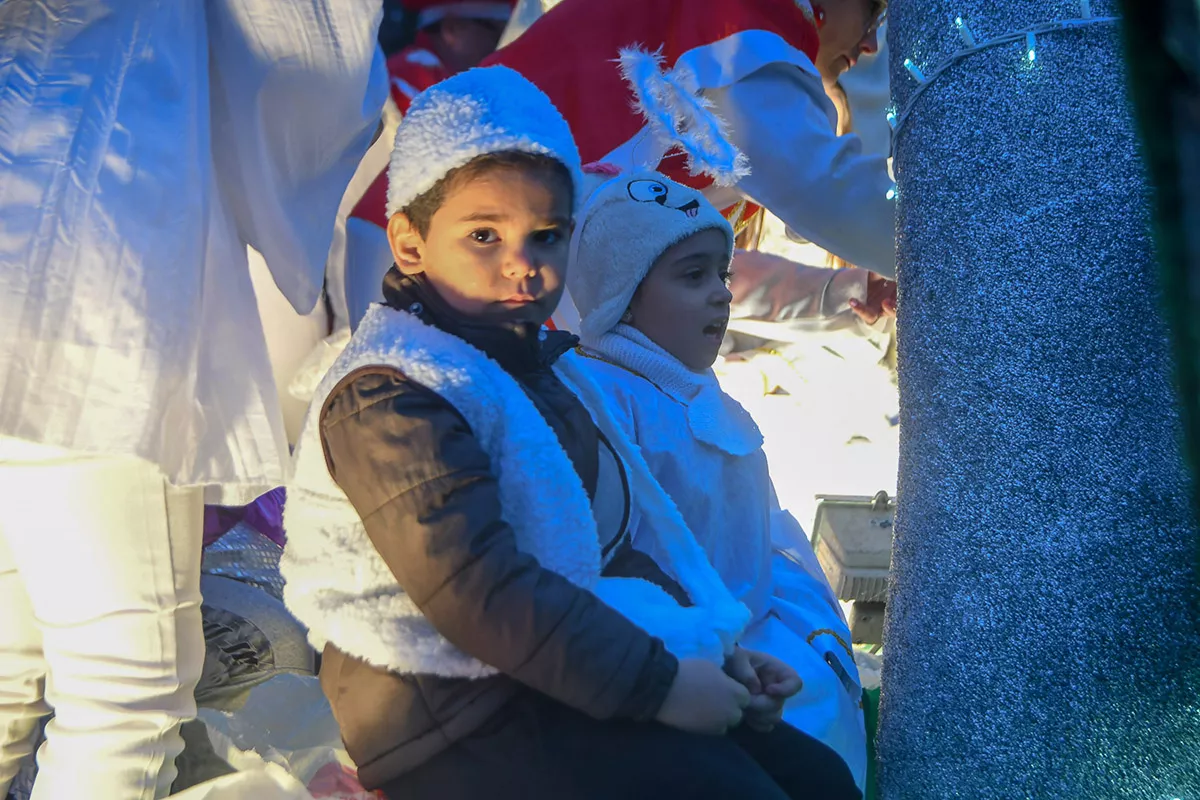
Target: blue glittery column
(1042, 634)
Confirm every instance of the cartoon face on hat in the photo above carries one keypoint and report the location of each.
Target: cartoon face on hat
(648, 190)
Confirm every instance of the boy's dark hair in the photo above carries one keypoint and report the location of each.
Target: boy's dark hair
(421, 210)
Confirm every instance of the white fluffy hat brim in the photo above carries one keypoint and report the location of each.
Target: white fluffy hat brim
(477, 112)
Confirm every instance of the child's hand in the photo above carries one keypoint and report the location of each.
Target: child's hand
(770, 682)
(738, 667)
(703, 699)
(778, 679)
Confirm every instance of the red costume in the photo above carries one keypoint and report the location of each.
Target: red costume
(720, 41)
(749, 61)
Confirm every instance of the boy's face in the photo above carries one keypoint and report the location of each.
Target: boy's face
(497, 246)
(683, 304)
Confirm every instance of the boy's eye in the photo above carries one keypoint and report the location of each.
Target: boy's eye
(484, 236)
(694, 274)
(727, 276)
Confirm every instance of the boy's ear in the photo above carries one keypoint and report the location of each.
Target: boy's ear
(408, 248)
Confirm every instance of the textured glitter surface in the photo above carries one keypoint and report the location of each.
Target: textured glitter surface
(248, 556)
(1042, 635)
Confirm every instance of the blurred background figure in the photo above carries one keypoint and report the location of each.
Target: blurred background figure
(145, 146)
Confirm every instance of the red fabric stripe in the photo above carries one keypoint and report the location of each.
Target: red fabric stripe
(373, 205)
(417, 75)
(586, 85)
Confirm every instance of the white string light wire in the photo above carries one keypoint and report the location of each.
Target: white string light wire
(974, 46)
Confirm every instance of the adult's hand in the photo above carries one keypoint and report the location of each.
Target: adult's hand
(880, 301)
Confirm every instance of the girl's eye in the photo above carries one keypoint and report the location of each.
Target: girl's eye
(727, 277)
(484, 236)
(694, 275)
(548, 236)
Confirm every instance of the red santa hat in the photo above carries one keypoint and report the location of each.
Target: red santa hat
(430, 11)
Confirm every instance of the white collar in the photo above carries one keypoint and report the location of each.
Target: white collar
(714, 417)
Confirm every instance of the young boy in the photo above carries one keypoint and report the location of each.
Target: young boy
(442, 541)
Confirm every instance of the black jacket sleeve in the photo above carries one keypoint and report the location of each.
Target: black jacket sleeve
(430, 503)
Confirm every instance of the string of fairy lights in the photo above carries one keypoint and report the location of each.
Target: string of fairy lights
(972, 44)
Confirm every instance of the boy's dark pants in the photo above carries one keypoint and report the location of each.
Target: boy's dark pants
(538, 748)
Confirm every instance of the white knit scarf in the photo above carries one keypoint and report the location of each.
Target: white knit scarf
(714, 417)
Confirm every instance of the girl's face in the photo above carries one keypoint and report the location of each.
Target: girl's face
(683, 304)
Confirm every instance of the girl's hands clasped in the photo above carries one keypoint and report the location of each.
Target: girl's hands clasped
(770, 683)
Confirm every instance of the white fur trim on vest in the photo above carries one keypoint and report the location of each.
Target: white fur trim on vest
(339, 586)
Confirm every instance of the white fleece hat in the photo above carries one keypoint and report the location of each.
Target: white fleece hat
(622, 229)
(480, 111)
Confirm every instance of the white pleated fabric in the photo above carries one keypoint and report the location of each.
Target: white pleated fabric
(144, 144)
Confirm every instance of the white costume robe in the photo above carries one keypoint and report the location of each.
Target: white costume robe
(145, 145)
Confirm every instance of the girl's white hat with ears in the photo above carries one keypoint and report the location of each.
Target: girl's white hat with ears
(477, 112)
(622, 229)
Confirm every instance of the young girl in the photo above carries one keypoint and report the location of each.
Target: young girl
(649, 275)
